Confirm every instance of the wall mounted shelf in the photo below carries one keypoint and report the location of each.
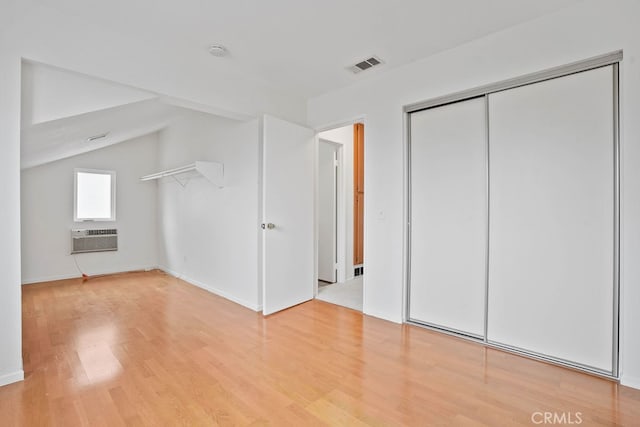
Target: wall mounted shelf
(212, 171)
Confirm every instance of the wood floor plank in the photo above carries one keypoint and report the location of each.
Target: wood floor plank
(146, 349)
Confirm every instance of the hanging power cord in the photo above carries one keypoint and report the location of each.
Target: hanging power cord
(84, 276)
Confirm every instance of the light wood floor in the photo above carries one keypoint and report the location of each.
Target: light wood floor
(147, 349)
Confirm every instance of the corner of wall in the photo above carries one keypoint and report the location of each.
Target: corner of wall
(383, 316)
(10, 255)
(248, 304)
(259, 218)
(630, 381)
(11, 378)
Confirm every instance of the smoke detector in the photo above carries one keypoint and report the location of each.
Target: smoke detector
(365, 64)
(218, 50)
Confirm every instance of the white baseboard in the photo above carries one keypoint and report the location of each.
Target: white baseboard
(633, 382)
(383, 316)
(30, 281)
(13, 377)
(206, 287)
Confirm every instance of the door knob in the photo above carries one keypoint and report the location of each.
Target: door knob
(269, 226)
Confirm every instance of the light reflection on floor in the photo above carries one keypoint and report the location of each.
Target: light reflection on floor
(94, 352)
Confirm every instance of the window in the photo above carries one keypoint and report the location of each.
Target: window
(94, 195)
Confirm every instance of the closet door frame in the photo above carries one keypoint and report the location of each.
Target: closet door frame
(611, 59)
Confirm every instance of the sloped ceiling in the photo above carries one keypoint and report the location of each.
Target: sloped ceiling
(58, 139)
(61, 110)
(50, 93)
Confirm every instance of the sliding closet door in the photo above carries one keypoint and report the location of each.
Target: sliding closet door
(551, 257)
(448, 216)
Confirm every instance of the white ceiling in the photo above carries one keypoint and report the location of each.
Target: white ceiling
(299, 47)
(302, 47)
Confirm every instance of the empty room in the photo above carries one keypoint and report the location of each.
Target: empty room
(334, 213)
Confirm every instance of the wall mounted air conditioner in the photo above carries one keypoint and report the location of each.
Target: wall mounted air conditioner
(94, 240)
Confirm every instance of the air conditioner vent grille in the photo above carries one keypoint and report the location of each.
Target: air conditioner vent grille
(94, 240)
(101, 231)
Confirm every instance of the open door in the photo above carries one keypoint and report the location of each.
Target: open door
(288, 214)
(327, 211)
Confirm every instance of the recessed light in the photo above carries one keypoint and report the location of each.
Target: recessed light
(218, 50)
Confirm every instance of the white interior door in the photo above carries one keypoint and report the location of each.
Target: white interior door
(288, 214)
(449, 216)
(327, 213)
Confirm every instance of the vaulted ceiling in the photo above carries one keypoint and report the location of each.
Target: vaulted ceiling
(302, 48)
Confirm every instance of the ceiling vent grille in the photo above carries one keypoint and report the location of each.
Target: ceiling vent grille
(366, 64)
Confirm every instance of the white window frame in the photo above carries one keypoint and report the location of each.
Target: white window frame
(75, 194)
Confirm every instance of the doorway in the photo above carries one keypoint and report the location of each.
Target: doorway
(340, 209)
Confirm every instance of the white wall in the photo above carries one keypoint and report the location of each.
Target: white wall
(47, 214)
(209, 235)
(587, 29)
(10, 299)
(344, 136)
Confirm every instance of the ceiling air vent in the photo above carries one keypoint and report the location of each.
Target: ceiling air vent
(366, 64)
(97, 137)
